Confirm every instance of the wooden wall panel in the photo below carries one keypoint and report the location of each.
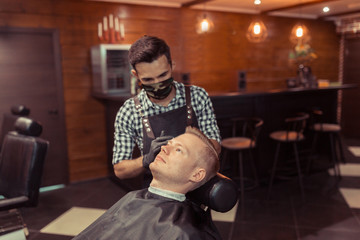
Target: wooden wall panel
(213, 59)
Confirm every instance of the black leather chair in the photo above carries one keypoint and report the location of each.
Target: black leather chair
(9, 120)
(21, 164)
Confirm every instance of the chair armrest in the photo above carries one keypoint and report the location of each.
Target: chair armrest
(4, 203)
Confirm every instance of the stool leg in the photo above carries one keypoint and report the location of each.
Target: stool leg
(299, 170)
(253, 168)
(241, 183)
(313, 147)
(341, 148)
(333, 156)
(273, 169)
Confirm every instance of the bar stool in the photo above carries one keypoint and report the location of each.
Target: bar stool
(333, 131)
(244, 135)
(292, 134)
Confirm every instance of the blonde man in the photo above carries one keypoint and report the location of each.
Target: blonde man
(162, 210)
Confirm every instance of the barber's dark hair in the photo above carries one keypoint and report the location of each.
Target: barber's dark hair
(148, 49)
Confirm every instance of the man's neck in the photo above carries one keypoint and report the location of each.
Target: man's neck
(164, 102)
(169, 187)
(168, 194)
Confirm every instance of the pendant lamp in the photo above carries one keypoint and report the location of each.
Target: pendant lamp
(257, 31)
(204, 25)
(299, 34)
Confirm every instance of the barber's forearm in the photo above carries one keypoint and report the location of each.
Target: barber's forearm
(216, 145)
(129, 168)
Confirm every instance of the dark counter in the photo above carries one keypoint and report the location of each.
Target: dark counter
(273, 107)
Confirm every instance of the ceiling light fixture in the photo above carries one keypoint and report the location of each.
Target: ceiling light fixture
(204, 24)
(326, 9)
(257, 31)
(299, 33)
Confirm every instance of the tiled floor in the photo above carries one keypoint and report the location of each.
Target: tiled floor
(330, 211)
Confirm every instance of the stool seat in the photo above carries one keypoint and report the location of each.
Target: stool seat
(320, 125)
(244, 134)
(287, 136)
(326, 127)
(293, 134)
(238, 143)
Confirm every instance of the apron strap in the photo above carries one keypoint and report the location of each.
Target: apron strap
(145, 120)
(189, 110)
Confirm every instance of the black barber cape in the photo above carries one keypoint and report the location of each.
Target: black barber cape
(144, 215)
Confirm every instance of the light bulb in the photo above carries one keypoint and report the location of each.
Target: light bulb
(326, 9)
(257, 2)
(257, 28)
(204, 25)
(299, 32)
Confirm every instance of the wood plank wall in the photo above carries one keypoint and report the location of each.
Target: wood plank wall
(212, 60)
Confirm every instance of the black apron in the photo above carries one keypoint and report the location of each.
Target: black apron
(173, 123)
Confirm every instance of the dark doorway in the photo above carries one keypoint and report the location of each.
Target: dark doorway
(30, 74)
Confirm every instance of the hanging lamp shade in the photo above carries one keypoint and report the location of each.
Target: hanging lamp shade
(299, 34)
(257, 31)
(204, 25)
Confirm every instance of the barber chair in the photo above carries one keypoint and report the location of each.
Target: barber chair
(9, 120)
(21, 164)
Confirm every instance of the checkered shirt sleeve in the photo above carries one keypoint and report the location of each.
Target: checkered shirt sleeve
(204, 111)
(125, 134)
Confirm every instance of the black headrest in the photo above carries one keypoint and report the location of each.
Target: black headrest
(27, 126)
(220, 194)
(20, 110)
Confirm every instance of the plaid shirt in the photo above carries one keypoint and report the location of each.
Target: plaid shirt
(129, 128)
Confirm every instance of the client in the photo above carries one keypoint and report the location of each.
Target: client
(162, 210)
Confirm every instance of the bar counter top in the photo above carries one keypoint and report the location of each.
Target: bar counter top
(334, 86)
(214, 94)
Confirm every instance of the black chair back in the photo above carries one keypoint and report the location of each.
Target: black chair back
(220, 194)
(9, 120)
(21, 164)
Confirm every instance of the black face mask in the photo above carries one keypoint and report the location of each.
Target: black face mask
(159, 90)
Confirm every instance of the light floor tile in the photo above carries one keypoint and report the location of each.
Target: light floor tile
(73, 221)
(348, 170)
(225, 217)
(355, 150)
(352, 196)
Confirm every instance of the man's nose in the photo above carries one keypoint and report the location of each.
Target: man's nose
(165, 148)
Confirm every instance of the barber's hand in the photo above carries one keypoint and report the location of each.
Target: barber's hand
(155, 148)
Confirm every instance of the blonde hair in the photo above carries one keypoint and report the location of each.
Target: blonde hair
(208, 156)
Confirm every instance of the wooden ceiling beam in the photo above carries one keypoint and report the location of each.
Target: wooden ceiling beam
(296, 6)
(194, 2)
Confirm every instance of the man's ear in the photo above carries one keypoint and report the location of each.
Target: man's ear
(134, 73)
(198, 175)
(173, 65)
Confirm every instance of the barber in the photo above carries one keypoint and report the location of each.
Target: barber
(161, 110)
